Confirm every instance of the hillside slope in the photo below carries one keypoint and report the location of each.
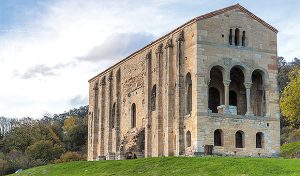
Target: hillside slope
(172, 166)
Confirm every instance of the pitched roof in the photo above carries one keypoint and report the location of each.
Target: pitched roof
(202, 17)
(241, 8)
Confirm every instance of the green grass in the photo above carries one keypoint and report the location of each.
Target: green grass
(173, 166)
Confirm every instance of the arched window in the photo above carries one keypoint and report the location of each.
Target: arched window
(113, 116)
(153, 98)
(188, 83)
(244, 38)
(239, 139)
(188, 138)
(218, 141)
(259, 140)
(230, 37)
(237, 37)
(133, 115)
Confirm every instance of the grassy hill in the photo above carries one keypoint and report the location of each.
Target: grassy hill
(172, 166)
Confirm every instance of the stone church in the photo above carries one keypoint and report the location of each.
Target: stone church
(207, 87)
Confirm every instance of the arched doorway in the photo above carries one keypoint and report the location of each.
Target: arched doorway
(232, 98)
(216, 88)
(237, 90)
(214, 99)
(258, 94)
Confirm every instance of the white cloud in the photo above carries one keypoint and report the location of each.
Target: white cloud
(51, 43)
(68, 30)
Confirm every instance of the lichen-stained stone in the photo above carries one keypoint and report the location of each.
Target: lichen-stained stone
(163, 99)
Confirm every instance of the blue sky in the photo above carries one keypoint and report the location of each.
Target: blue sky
(50, 48)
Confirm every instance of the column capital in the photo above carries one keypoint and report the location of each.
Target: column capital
(226, 82)
(95, 86)
(248, 85)
(159, 49)
(180, 37)
(110, 78)
(169, 43)
(149, 55)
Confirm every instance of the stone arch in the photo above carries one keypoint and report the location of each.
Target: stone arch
(239, 139)
(188, 84)
(219, 66)
(133, 115)
(218, 137)
(188, 139)
(263, 72)
(243, 67)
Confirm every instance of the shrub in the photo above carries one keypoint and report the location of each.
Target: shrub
(44, 150)
(290, 150)
(69, 156)
(3, 166)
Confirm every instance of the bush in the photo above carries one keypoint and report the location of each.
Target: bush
(44, 150)
(3, 166)
(69, 156)
(290, 150)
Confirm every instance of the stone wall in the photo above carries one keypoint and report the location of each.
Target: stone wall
(259, 53)
(155, 81)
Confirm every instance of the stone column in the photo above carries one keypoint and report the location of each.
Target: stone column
(159, 120)
(95, 122)
(102, 118)
(226, 88)
(148, 125)
(170, 99)
(180, 99)
(267, 92)
(109, 125)
(248, 86)
(99, 121)
(118, 110)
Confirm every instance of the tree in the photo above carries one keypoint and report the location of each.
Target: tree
(44, 150)
(75, 133)
(284, 68)
(22, 136)
(290, 98)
